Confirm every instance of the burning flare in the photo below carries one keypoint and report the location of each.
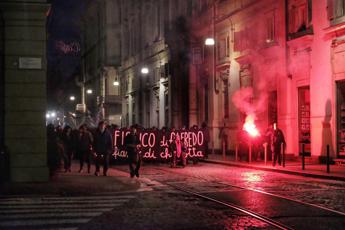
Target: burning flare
(250, 127)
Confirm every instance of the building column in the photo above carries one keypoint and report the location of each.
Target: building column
(25, 89)
(192, 88)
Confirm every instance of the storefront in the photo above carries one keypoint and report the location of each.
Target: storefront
(304, 120)
(340, 86)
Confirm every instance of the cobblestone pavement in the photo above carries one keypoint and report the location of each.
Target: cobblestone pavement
(327, 193)
(166, 208)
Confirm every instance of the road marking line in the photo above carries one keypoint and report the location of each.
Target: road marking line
(47, 202)
(68, 198)
(19, 223)
(48, 215)
(56, 206)
(59, 210)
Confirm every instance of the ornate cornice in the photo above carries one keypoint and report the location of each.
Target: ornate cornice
(334, 31)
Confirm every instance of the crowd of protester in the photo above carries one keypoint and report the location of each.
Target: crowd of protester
(95, 145)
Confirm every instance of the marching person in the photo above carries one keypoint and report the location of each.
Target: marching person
(184, 147)
(103, 147)
(277, 139)
(132, 144)
(172, 150)
(68, 147)
(84, 147)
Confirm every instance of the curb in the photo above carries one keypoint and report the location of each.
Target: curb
(305, 174)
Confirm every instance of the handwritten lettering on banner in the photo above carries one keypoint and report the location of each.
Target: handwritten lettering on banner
(155, 144)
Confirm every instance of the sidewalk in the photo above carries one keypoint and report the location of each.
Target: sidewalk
(337, 172)
(75, 184)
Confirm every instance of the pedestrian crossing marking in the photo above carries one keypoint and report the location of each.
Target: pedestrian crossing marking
(64, 213)
(43, 210)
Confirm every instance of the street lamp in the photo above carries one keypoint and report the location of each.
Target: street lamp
(144, 70)
(116, 83)
(53, 114)
(72, 98)
(89, 91)
(209, 41)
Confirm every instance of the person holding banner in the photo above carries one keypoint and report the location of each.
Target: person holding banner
(178, 151)
(132, 144)
(172, 150)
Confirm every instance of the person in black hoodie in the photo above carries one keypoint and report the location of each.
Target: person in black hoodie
(84, 147)
(132, 144)
(68, 147)
(103, 147)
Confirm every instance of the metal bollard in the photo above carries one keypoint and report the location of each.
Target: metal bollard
(223, 148)
(327, 160)
(236, 153)
(250, 152)
(265, 147)
(283, 153)
(303, 160)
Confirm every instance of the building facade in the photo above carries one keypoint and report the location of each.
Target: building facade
(155, 36)
(23, 90)
(273, 61)
(280, 61)
(101, 55)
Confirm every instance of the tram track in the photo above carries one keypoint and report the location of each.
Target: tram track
(263, 192)
(264, 219)
(306, 210)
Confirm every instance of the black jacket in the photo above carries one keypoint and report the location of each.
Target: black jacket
(103, 143)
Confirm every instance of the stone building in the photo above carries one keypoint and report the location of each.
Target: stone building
(155, 36)
(101, 55)
(249, 45)
(23, 90)
(281, 61)
(127, 36)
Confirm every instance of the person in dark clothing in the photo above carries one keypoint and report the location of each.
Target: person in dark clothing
(277, 140)
(68, 147)
(84, 147)
(132, 143)
(205, 130)
(54, 150)
(103, 147)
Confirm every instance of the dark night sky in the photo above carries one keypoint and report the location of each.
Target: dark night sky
(63, 26)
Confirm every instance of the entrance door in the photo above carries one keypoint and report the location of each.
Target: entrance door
(341, 119)
(304, 120)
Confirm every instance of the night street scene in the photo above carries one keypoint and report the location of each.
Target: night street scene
(172, 114)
